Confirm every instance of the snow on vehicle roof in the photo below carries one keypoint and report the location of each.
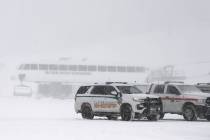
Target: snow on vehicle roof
(106, 84)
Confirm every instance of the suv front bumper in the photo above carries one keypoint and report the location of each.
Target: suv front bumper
(203, 111)
(151, 106)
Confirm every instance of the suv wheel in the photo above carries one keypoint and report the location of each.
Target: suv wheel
(153, 117)
(127, 113)
(87, 112)
(189, 113)
(208, 117)
(111, 117)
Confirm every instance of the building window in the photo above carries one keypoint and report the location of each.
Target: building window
(82, 68)
(43, 67)
(21, 67)
(53, 67)
(63, 67)
(92, 68)
(73, 67)
(140, 69)
(130, 69)
(102, 68)
(26, 67)
(121, 69)
(34, 67)
(111, 69)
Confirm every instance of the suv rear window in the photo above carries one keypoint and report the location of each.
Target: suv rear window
(83, 89)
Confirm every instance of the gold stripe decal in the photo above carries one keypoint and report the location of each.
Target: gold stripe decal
(105, 105)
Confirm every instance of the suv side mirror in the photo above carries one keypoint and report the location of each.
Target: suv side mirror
(114, 93)
(119, 95)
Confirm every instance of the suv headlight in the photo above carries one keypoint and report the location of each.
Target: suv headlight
(201, 101)
(138, 100)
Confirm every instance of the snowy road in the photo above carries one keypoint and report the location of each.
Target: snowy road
(50, 119)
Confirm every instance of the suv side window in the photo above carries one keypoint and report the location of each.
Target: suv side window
(102, 90)
(159, 89)
(172, 90)
(109, 89)
(83, 89)
(99, 90)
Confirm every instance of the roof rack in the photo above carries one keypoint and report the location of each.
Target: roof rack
(168, 82)
(203, 84)
(116, 83)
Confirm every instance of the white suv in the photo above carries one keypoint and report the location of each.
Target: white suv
(116, 99)
(183, 99)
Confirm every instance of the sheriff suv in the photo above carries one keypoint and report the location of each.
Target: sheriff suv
(182, 99)
(112, 100)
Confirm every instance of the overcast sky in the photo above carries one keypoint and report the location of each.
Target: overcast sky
(141, 32)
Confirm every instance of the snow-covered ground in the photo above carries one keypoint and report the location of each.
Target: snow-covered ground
(52, 119)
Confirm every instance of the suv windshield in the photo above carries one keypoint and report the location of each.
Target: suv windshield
(129, 90)
(189, 89)
(143, 88)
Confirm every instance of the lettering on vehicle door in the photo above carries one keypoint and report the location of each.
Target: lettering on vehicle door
(105, 105)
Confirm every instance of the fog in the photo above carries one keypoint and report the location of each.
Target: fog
(49, 48)
(143, 32)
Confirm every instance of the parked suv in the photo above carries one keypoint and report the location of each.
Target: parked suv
(116, 99)
(179, 98)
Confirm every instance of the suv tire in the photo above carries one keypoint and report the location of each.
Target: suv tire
(111, 117)
(126, 113)
(87, 112)
(189, 113)
(153, 117)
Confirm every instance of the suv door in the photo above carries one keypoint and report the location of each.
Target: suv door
(173, 99)
(159, 91)
(103, 100)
